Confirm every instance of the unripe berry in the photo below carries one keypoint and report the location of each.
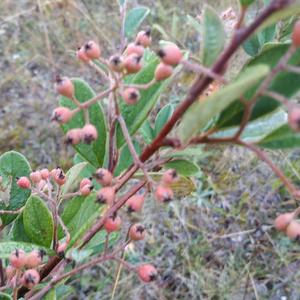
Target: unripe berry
(164, 194)
(81, 55)
(59, 177)
(42, 185)
(296, 34)
(294, 118)
(116, 63)
(10, 272)
(144, 38)
(45, 174)
(147, 273)
(89, 133)
(137, 232)
(170, 55)
(135, 203)
(169, 177)
(84, 182)
(132, 63)
(30, 278)
(133, 48)
(62, 115)
(64, 86)
(34, 258)
(104, 177)
(106, 195)
(293, 230)
(283, 220)
(18, 259)
(61, 248)
(163, 72)
(92, 50)
(23, 182)
(112, 224)
(86, 190)
(74, 136)
(35, 176)
(131, 96)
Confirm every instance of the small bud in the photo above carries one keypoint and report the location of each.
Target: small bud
(137, 232)
(104, 177)
(131, 96)
(147, 273)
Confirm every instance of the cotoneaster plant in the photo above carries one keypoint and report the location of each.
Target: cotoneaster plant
(55, 213)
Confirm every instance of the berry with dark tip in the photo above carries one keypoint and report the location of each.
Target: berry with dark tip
(137, 232)
(147, 273)
(104, 177)
(62, 115)
(133, 48)
(144, 38)
(164, 194)
(135, 203)
(89, 133)
(131, 96)
(170, 55)
(112, 223)
(30, 278)
(18, 259)
(169, 177)
(34, 258)
(74, 136)
(81, 55)
(64, 86)
(92, 50)
(106, 195)
(116, 63)
(132, 63)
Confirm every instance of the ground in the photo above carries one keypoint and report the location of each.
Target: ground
(216, 244)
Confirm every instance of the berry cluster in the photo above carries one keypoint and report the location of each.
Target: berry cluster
(288, 224)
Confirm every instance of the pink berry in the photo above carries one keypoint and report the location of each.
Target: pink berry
(65, 87)
(18, 259)
(133, 48)
(45, 174)
(59, 177)
(104, 177)
(144, 38)
(135, 203)
(86, 190)
(164, 194)
(34, 258)
(131, 95)
(30, 278)
(147, 273)
(283, 220)
(132, 63)
(170, 55)
(74, 136)
(169, 177)
(163, 72)
(81, 55)
(62, 115)
(294, 118)
(23, 182)
(35, 176)
(116, 63)
(112, 223)
(84, 182)
(106, 195)
(296, 34)
(92, 50)
(293, 230)
(89, 133)
(137, 232)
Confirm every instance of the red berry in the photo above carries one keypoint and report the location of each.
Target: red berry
(147, 273)
(112, 223)
(92, 50)
(74, 136)
(35, 176)
(164, 194)
(23, 182)
(106, 195)
(144, 38)
(104, 177)
(135, 203)
(30, 278)
(294, 118)
(65, 87)
(293, 230)
(283, 220)
(170, 55)
(34, 258)
(169, 177)
(45, 174)
(59, 176)
(116, 63)
(86, 190)
(296, 34)
(81, 55)
(163, 72)
(89, 133)
(133, 48)
(137, 232)
(10, 272)
(132, 63)
(84, 182)
(62, 115)
(18, 259)
(131, 96)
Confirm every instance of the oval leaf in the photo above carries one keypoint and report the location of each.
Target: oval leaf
(12, 197)
(134, 19)
(4, 296)
(183, 167)
(38, 222)
(162, 117)
(95, 152)
(17, 232)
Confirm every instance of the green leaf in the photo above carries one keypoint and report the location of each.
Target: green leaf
(162, 117)
(285, 83)
(17, 232)
(246, 2)
(213, 36)
(147, 132)
(51, 295)
(183, 167)
(126, 158)
(95, 152)
(134, 19)
(4, 296)
(252, 46)
(135, 115)
(12, 165)
(97, 243)
(281, 138)
(204, 110)
(38, 222)
(6, 248)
